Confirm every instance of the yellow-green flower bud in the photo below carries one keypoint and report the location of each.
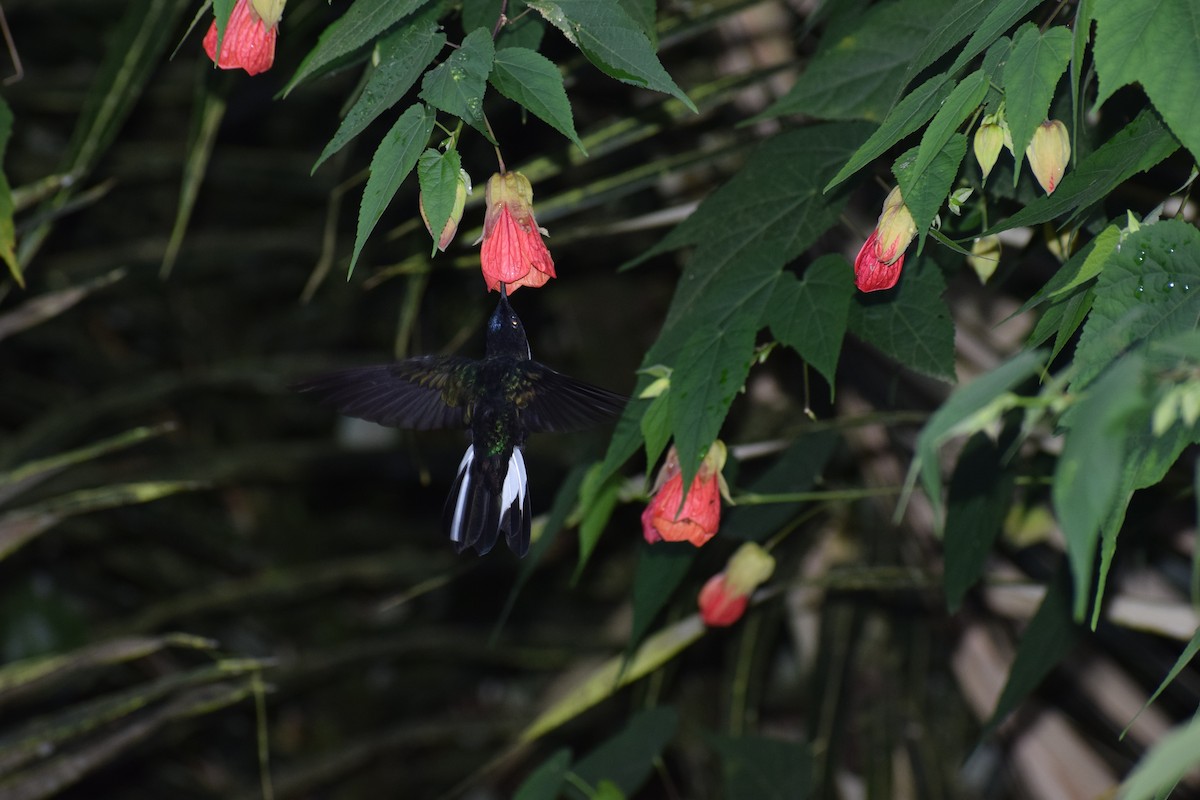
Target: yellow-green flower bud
(1048, 153)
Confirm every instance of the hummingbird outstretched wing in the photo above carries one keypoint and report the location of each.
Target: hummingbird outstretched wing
(421, 393)
(551, 402)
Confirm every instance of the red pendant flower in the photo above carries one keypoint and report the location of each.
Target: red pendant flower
(249, 41)
(725, 596)
(878, 263)
(698, 520)
(513, 251)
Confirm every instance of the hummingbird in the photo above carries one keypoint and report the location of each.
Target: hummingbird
(500, 399)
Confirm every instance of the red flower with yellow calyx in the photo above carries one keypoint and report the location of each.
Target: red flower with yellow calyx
(513, 251)
(724, 598)
(249, 40)
(697, 521)
(881, 257)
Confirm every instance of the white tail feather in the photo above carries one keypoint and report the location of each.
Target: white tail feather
(460, 502)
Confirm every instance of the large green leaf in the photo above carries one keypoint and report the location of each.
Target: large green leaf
(1149, 289)
(661, 567)
(393, 160)
(854, 76)
(1089, 472)
(533, 81)
(960, 415)
(627, 759)
(979, 496)
(1165, 764)
(710, 370)
(926, 190)
(1135, 148)
(1000, 17)
(766, 215)
(1152, 43)
(403, 56)
(612, 40)
(1049, 637)
(810, 315)
(456, 86)
(917, 108)
(961, 103)
(359, 26)
(1037, 62)
(910, 323)
(758, 768)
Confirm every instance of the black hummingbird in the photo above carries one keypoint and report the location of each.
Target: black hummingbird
(500, 399)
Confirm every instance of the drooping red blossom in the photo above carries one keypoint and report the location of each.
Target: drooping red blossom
(249, 41)
(724, 598)
(513, 251)
(878, 263)
(697, 521)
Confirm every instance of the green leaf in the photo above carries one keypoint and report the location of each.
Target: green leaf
(598, 497)
(393, 160)
(1049, 637)
(222, 10)
(965, 98)
(359, 26)
(644, 13)
(744, 232)
(1149, 289)
(1136, 148)
(853, 76)
(456, 86)
(910, 323)
(979, 496)
(926, 191)
(627, 759)
(1165, 764)
(611, 39)
(403, 56)
(1089, 471)
(1001, 16)
(1152, 43)
(656, 429)
(438, 174)
(917, 108)
(206, 124)
(959, 415)
(534, 82)
(1184, 659)
(758, 768)
(710, 371)
(1037, 62)
(661, 567)
(810, 315)
(545, 782)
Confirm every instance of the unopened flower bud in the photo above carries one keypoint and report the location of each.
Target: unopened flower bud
(725, 596)
(1048, 153)
(989, 138)
(461, 190)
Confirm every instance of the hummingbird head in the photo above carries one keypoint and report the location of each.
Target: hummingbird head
(505, 333)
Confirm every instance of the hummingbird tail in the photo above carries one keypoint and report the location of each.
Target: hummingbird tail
(475, 514)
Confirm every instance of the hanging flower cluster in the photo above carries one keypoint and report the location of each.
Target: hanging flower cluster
(1048, 151)
(249, 40)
